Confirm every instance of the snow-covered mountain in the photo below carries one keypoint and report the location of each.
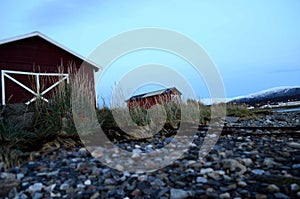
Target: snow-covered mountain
(277, 94)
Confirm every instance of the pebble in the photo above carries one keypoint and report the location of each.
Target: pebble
(242, 184)
(35, 187)
(211, 193)
(206, 170)
(295, 187)
(178, 194)
(64, 186)
(201, 180)
(247, 161)
(119, 167)
(258, 171)
(87, 182)
(225, 195)
(281, 196)
(268, 162)
(294, 145)
(296, 166)
(37, 195)
(20, 176)
(273, 188)
(233, 164)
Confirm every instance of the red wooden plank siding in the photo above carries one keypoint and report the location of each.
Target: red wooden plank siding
(147, 102)
(35, 54)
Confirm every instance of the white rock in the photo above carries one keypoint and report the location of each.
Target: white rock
(258, 171)
(87, 182)
(80, 186)
(178, 194)
(142, 178)
(242, 184)
(225, 195)
(247, 161)
(53, 195)
(206, 170)
(20, 176)
(35, 187)
(64, 187)
(294, 145)
(97, 153)
(82, 150)
(119, 167)
(220, 172)
(273, 188)
(201, 180)
(136, 156)
(268, 162)
(295, 187)
(137, 151)
(50, 188)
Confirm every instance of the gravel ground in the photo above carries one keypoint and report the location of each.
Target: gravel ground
(265, 166)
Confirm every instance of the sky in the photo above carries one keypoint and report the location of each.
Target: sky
(254, 44)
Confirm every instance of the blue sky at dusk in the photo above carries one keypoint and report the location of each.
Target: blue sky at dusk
(254, 44)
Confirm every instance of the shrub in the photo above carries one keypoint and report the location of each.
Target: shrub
(241, 111)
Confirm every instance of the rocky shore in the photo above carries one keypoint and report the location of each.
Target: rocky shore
(258, 166)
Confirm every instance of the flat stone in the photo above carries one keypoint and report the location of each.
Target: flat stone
(258, 171)
(268, 162)
(294, 144)
(64, 187)
(281, 196)
(247, 161)
(225, 195)
(37, 195)
(201, 180)
(242, 184)
(36, 187)
(206, 170)
(20, 176)
(96, 195)
(178, 194)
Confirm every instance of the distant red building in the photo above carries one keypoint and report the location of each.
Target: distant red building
(35, 54)
(147, 100)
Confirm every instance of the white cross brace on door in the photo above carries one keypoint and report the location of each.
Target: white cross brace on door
(37, 94)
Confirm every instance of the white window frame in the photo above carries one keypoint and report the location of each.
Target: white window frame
(37, 94)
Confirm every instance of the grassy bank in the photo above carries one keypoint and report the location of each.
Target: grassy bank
(53, 124)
